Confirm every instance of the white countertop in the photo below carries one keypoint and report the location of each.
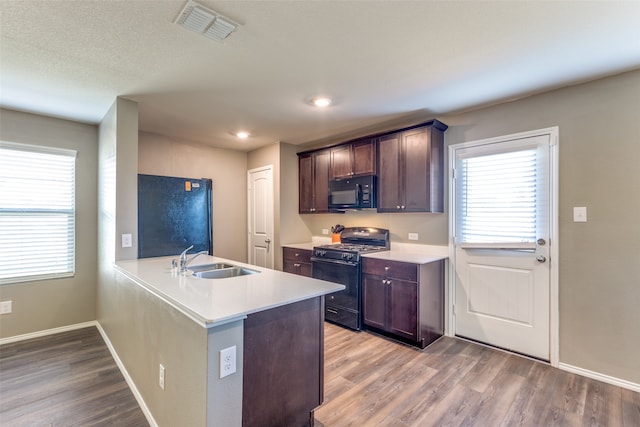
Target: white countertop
(212, 302)
(413, 253)
(412, 257)
(306, 246)
(405, 252)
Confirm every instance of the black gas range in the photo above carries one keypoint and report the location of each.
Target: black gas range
(341, 263)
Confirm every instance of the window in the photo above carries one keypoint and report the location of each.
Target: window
(502, 194)
(37, 212)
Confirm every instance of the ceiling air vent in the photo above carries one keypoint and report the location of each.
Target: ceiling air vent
(200, 19)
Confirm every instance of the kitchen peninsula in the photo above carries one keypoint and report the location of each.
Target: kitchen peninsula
(181, 323)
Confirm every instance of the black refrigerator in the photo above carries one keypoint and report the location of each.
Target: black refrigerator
(173, 214)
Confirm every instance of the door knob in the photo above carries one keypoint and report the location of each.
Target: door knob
(541, 242)
(541, 258)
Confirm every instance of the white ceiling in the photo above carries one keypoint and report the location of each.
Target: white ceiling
(382, 61)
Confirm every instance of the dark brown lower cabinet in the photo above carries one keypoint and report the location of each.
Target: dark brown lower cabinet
(296, 261)
(283, 365)
(404, 300)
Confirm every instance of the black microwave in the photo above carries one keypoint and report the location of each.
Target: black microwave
(352, 193)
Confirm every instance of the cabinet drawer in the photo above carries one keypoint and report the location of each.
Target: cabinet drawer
(392, 269)
(299, 268)
(298, 255)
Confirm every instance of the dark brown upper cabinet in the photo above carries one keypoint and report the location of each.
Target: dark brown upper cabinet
(411, 169)
(353, 159)
(313, 182)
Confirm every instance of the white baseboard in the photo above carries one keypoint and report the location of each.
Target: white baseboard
(600, 377)
(127, 378)
(125, 374)
(46, 332)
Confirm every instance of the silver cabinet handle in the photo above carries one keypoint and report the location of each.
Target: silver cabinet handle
(296, 265)
(541, 258)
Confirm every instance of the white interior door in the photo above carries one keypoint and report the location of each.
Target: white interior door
(502, 219)
(260, 210)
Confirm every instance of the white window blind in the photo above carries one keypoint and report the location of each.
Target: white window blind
(498, 199)
(37, 212)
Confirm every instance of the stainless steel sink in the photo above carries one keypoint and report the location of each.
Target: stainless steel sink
(207, 267)
(223, 273)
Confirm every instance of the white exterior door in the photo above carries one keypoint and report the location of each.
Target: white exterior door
(502, 236)
(260, 207)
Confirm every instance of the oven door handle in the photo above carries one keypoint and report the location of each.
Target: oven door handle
(334, 261)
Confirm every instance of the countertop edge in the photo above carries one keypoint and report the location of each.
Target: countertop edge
(132, 270)
(176, 305)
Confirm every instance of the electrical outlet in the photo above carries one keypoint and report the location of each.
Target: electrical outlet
(413, 236)
(227, 361)
(127, 241)
(5, 307)
(325, 231)
(161, 377)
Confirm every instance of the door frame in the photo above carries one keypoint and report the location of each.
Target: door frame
(249, 213)
(554, 313)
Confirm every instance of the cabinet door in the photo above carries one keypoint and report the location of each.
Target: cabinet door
(341, 162)
(321, 181)
(416, 171)
(305, 184)
(403, 309)
(388, 173)
(374, 303)
(364, 157)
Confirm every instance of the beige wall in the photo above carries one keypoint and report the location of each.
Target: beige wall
(599, 124)
(161, 155)
(48, 304)
(293, 228)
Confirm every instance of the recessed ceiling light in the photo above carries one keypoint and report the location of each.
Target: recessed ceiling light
(321, 101)
(242, 134)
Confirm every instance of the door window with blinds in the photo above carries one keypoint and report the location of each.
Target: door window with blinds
(37, 212)
(501, 195)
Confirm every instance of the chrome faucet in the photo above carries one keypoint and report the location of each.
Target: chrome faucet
(184, 262)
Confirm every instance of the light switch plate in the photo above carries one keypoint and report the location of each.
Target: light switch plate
(325, 231)
(5, 307)
(126, 241)
(413, 236)
(580, 214)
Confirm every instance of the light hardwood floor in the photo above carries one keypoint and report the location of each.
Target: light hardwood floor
(66, 379)
(371, 381)
(70, 379)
